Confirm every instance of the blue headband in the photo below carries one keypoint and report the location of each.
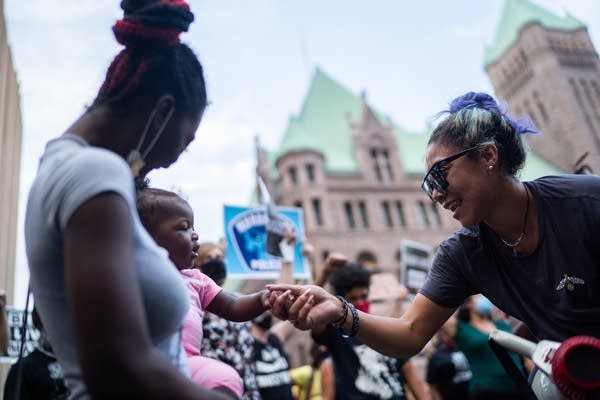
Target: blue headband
(523, 125)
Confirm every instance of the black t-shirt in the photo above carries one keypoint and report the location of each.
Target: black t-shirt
(449, 371)
(42, 379)
(361, 373)
(555, 290)
(272, 370)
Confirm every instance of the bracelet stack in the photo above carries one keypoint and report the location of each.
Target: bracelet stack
(339, 324)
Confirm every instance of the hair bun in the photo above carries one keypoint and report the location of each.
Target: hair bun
(523, 124)
(474, 100)
(152, 23)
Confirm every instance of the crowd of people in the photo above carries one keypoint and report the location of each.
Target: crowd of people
(131, 303)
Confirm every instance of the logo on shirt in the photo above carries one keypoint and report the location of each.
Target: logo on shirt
(569, 282)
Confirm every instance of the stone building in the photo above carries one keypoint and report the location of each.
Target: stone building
(10, 163)
(357, 176)
(546, 66)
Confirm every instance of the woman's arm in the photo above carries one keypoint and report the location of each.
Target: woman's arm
(397, 337)
(113, 343)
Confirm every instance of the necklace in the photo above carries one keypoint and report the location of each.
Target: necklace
(522, 235)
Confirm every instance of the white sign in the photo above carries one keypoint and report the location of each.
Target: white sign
(15, 322)
(416, 261)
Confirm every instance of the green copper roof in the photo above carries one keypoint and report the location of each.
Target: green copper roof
(323, 125)
(517, 14)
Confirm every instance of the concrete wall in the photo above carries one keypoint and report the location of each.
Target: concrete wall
(10, 162)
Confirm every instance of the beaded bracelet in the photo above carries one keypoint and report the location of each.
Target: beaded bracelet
(340, 322)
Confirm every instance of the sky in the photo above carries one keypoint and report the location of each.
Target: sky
(409, 57)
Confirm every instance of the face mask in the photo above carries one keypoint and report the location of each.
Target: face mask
(214, 269)
(135, 158)
(483, 306)
(363, 305)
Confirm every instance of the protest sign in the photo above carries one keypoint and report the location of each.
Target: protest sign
(246, 236)
(15, 321)
(416, 260)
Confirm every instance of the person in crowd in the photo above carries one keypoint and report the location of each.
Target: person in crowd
(314, 381)
(530, 247)
(241, 345)
(170, 221)
(41, 375)
(362, 373)
(448, 370)
(490, 380)
(271, 362)
(4, 331)
(224, 340)
(111, 301)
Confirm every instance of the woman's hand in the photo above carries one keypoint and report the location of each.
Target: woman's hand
(305, 306)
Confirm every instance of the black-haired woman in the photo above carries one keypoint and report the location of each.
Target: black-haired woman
(532, 248)
(111, 303)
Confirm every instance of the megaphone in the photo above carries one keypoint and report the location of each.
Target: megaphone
(567, 370)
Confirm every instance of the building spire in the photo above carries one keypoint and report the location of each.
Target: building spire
(515, 16)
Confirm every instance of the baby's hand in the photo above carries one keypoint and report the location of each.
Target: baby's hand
(265, 299)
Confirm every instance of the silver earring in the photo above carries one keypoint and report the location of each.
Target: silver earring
(490, 167)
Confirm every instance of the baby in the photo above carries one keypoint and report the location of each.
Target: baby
(170, 221)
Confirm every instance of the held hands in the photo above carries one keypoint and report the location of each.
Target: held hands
(304, 305)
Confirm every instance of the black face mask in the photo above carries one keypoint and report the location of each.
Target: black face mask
(264, 321)
(214, 269)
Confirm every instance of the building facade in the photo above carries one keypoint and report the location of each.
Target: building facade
(357, 177)
(10, 161)
(546, 66)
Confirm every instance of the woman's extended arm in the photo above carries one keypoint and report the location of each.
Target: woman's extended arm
(397, 337)
(113, 343)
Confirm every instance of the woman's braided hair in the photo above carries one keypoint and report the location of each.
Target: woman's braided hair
(154, 61)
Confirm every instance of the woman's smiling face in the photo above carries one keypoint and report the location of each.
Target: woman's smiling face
(467, 183)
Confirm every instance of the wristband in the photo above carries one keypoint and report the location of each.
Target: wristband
(354, 329)
(340, 322)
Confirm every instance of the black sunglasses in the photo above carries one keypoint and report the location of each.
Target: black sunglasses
(435, 179)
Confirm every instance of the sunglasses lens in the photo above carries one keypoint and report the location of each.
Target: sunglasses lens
(433, 181)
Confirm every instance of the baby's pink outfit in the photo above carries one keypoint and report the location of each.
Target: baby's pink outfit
(207, 372)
